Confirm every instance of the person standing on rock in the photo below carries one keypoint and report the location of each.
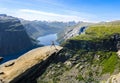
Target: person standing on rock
(53, 45)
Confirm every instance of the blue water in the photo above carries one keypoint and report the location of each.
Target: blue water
(46, 40)
(14, 56)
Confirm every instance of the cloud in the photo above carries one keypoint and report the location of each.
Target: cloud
(29, 14)
(51, 2)
(51, 10)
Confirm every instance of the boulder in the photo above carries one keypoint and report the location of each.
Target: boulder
(9, 64)
(29, 66)
(1, 58)
(1, 72)
(68, 63)
(114, 79)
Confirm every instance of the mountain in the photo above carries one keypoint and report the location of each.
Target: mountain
(72, 31)
(36, 28)
(87, 58)
(19, 35)
(90, 53)
(13, 37)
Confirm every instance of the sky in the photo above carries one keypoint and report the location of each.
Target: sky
(62, 10)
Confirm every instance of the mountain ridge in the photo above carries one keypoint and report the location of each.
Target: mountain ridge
(14, 39)
(88, 58)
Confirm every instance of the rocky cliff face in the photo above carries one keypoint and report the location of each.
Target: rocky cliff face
(78, 64)
(114, 79)
(73, 31)
(40, 28)
(13, 36)
(87, 58)
(111, 44)
(29, 66)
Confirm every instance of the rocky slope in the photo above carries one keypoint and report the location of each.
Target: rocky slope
(73, 31)
(114, 78)
(91, 57)
(13, 37)
(87, 58)
(40, 28)
(29, 66)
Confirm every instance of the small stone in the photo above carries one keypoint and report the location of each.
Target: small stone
(118, 53)
(68, 63)
(77, 65)
(52, 72)
(1, 72)
(81, 66)
(9, 64)
(58, 66)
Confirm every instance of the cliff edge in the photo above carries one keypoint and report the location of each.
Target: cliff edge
(26, 65)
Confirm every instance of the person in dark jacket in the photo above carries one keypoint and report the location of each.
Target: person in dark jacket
(53, 45)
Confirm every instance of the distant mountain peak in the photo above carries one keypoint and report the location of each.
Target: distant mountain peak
(3, 15)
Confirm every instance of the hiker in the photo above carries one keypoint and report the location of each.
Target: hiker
(53, 44)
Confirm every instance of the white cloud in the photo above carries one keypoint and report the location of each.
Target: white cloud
(29, 14)
(40, 15)
(51, 2)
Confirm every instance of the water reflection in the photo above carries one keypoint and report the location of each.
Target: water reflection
(46, 40)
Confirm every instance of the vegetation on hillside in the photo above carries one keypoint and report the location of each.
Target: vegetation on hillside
(99, 31)
(89, 57)
(81, 67)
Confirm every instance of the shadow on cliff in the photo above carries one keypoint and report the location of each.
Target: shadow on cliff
(36, 71)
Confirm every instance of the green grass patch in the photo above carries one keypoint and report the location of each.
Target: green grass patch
(79, 77)
(110, 63)
(99, 32)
